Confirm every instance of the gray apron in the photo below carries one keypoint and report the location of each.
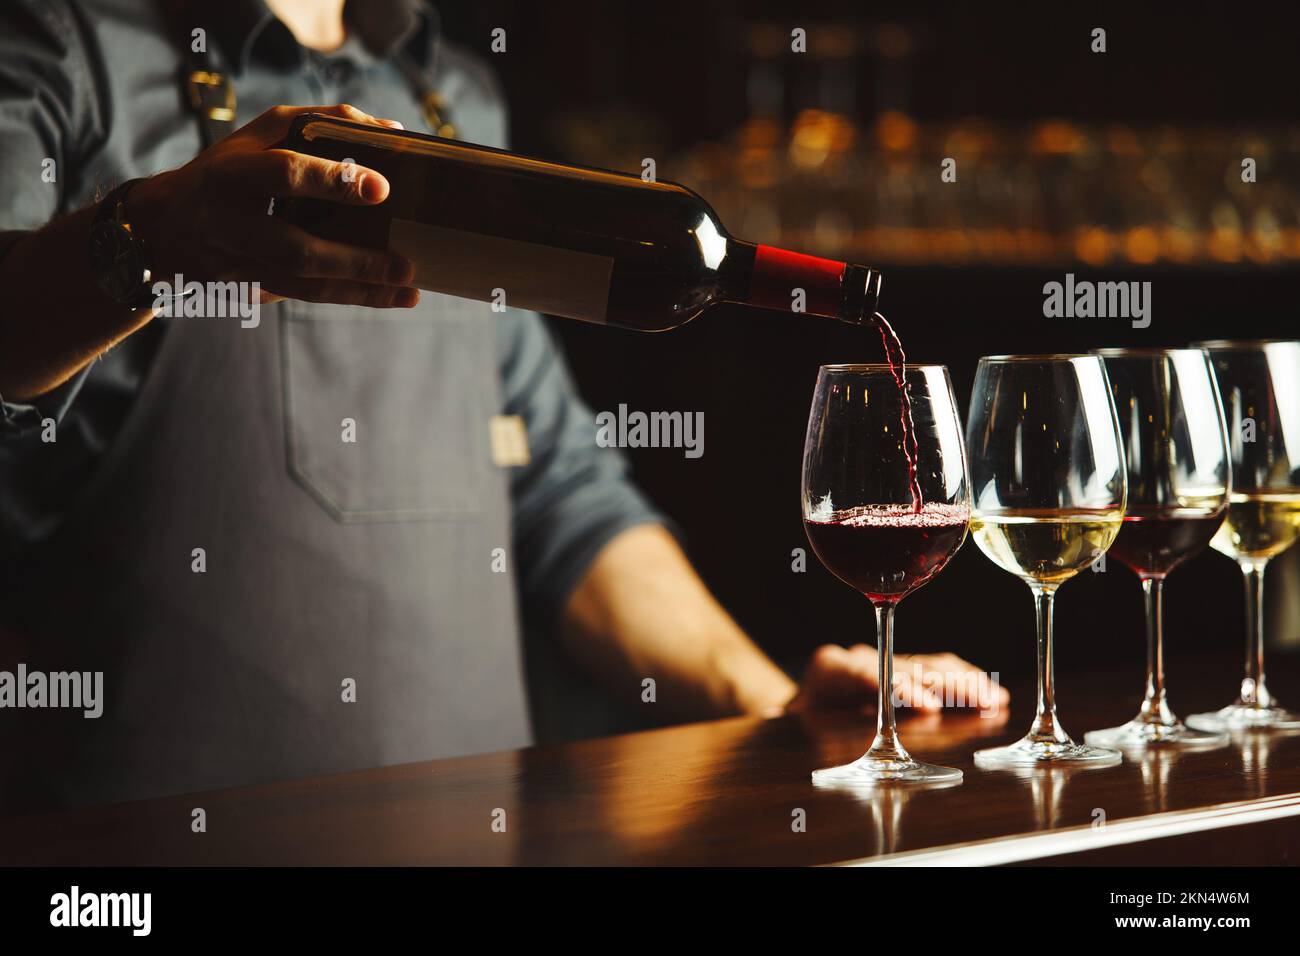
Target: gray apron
(327, 561)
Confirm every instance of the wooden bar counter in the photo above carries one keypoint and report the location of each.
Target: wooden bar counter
(734, 792)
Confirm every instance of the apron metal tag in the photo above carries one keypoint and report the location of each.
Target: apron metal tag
(509, 441)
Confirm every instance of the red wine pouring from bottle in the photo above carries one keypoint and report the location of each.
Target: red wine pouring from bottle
(572, 241)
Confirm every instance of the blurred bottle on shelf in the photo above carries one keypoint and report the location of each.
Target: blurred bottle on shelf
(832, 158)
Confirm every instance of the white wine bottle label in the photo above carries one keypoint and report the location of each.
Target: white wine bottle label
(528, 276)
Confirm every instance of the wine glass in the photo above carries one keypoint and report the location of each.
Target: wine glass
(885, 505)
(1176, 446)
(1259, 385)
(1049, 486)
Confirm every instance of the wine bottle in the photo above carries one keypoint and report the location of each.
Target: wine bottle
(574, 241)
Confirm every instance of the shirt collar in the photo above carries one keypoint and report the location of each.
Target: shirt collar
(247, 30)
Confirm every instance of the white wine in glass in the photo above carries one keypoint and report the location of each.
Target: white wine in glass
(1048, 487)
(1045, 545)
(1259, 525)
(1259, 384)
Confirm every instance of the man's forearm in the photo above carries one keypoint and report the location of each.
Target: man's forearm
(642, 611)
(53, 317)
(207, 220)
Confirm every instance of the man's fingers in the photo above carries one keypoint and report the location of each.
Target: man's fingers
(857, 663)
(293, 251)
(272, 125)
(923, 682)
(343, 292)
(275, 285)
(963, 680)
(859, 667)
(840, 675)
(949, 680)
(348, 111)
(914, 693)
(917, 685)
(261, 174)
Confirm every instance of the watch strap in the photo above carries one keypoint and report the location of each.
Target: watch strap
(113, 206)
(112, 209)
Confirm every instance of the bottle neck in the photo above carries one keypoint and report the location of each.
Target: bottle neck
(771, 278)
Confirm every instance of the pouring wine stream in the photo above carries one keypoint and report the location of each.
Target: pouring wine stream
(898, 368)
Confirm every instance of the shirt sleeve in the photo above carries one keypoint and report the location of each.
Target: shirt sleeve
(49, 116)
(573, 496)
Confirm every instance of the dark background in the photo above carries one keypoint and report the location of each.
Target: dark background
(677, 70)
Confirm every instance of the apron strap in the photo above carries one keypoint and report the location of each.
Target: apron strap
(437, 112)
(207, 92)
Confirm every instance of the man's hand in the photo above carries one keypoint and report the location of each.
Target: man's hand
(208, 220)
(841, 676)
(641, 611)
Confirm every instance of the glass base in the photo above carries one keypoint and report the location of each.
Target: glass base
(1034, 752)
(1241, 716)
(1145, 733)
(876, 772)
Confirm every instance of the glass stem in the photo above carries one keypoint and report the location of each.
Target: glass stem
(1045, 728)
(1253, 692)
(886, 745)
(1155, 709)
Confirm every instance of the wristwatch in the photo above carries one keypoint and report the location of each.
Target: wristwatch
(118, 258)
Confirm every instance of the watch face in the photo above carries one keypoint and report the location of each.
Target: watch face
(116, 261)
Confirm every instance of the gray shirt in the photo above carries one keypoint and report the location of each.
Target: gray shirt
(91, 85)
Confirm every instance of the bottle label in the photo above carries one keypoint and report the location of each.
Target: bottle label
(779, 275)
(520, 275)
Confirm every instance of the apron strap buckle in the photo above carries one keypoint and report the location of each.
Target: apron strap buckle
(212, 95)
(435, 114)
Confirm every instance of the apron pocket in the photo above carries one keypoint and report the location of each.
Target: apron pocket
(386, 414)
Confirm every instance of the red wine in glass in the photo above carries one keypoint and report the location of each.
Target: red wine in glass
(1154, 541)
(863, 522)
(1178, 457)
(886, 552)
